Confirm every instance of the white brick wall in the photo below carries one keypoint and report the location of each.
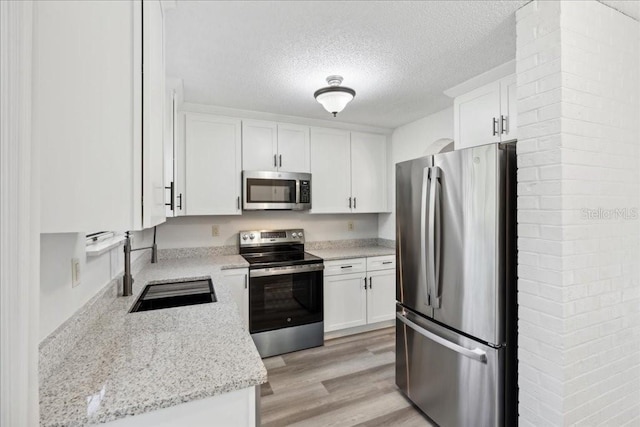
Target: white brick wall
(579, 292)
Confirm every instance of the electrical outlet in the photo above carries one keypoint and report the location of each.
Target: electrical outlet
(75, 272)
(215, 230)
(350, 226)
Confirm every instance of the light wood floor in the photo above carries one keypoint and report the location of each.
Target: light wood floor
(348, 382)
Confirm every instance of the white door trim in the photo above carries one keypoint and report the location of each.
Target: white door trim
(19, 222)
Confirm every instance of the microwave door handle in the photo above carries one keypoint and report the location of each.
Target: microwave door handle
(433, 254)
(423, 232)
(297, 191)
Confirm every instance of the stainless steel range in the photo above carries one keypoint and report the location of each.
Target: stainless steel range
(285, 291)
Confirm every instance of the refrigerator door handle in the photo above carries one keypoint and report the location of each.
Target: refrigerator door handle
(433, 255)
(426, 174)
(475, 354)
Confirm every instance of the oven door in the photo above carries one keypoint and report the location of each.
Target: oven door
(285, 296)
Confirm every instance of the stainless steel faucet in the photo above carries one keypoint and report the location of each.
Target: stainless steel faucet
(127, 279)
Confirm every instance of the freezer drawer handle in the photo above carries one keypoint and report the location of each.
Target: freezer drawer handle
(475, 354)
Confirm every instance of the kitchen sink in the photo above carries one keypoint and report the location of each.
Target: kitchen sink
(160, 295)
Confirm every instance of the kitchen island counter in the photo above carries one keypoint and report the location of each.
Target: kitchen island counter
(134, 363)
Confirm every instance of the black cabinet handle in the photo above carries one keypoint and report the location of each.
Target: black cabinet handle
(275, 161)
(495, 126)
(180, 201)
(280, 160)
(171, 202)
(346, 266)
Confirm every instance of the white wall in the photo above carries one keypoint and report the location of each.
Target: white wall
(58, 299)
(195, 231)
(409, 142)
(579, 160)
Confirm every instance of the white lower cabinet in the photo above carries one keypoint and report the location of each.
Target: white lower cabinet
(239, 408)
(237, 280)
(345, 301)
(381, 296)
(358, 292)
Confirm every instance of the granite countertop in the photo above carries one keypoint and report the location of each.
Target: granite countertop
(330, 254)
(132, 363)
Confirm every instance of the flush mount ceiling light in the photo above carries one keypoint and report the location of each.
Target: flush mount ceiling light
(334, 97)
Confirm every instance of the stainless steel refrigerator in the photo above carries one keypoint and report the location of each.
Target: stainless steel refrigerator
(456, 307)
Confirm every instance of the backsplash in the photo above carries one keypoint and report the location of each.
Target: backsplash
(179, 253)
(340, 244)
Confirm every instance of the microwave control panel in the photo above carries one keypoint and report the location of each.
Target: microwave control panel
(305, 191)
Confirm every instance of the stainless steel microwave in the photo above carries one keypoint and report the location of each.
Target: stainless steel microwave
(269, 190)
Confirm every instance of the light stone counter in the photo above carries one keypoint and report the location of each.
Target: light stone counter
(330, 254)
(133, 363)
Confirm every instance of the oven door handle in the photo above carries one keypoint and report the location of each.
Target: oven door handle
(278, 271)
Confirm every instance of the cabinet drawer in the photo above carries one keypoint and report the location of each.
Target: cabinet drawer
(385, 262)
(345, 266)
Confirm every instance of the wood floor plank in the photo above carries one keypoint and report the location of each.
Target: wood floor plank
(265, 389)
(273, 362)
(357, 412)
(349, 381)
(308, 374)
(405, 417)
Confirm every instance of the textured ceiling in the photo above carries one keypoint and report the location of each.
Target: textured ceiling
(628, 7)
(271, 56)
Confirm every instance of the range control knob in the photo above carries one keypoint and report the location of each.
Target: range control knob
(252, 236)
(300, 234)
(245, 237)
(294, 235)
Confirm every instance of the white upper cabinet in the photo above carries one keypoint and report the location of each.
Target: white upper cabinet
(330, 170)
(153, 114)
(174, 149)
(101, 146)
(509, 108)
(368, 172)
(348, 171)
(486, 114)
(293, 148)
(269, 146)
(213, 165)
(476, 117)
(259, 145)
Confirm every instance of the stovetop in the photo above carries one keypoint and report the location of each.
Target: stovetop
(279, 259)
(274, 248)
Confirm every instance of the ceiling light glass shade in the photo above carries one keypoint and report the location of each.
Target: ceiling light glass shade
(334, 97)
